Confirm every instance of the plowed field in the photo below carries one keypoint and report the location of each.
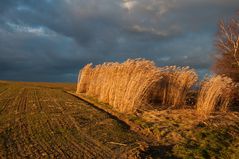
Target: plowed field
(40, 121)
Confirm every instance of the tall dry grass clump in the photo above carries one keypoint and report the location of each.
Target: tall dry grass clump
(178, 81)
(216, 93)
(136, 84)
(84, 78)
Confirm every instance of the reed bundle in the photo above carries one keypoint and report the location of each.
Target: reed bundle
(216, 94)
(136, 84)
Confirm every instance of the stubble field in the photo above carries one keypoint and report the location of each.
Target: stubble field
(40, 120)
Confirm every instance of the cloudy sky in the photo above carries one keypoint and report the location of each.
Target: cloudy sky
(50, 40)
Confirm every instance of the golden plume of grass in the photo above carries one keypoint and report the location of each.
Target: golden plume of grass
(136, 84)
(216, 93)
(173, 87)
(179, 80)
(84, 79)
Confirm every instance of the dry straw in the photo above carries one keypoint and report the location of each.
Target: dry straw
(216, 94)
(178, 81)
(136, 84)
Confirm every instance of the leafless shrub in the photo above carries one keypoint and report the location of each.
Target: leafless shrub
(227, 44)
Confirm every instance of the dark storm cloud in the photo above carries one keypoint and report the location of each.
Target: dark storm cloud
(50, 40)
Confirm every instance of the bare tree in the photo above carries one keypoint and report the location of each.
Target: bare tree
(227, 44)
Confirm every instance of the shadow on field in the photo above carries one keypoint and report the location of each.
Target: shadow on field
(156, 151)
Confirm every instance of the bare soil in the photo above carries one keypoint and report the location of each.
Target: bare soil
(40, 120)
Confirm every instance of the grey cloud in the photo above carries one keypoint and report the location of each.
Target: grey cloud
(52, 39)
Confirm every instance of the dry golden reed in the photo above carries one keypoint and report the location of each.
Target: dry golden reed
(216, 94)
(136, 84)
(178, 81)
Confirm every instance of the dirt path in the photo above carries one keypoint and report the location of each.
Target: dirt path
(38, 122)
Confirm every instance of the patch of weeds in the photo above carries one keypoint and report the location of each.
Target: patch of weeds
(133, 117)
(6, 138)
(208, 143)
(164, 132)
(138, 121)
(144, 125)
(156, 130)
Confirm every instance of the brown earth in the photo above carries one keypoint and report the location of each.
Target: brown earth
(40, 120)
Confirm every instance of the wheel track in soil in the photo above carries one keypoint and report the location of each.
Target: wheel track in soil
(50, 128)
(18, 141)
(70, 138)
(6, 98)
